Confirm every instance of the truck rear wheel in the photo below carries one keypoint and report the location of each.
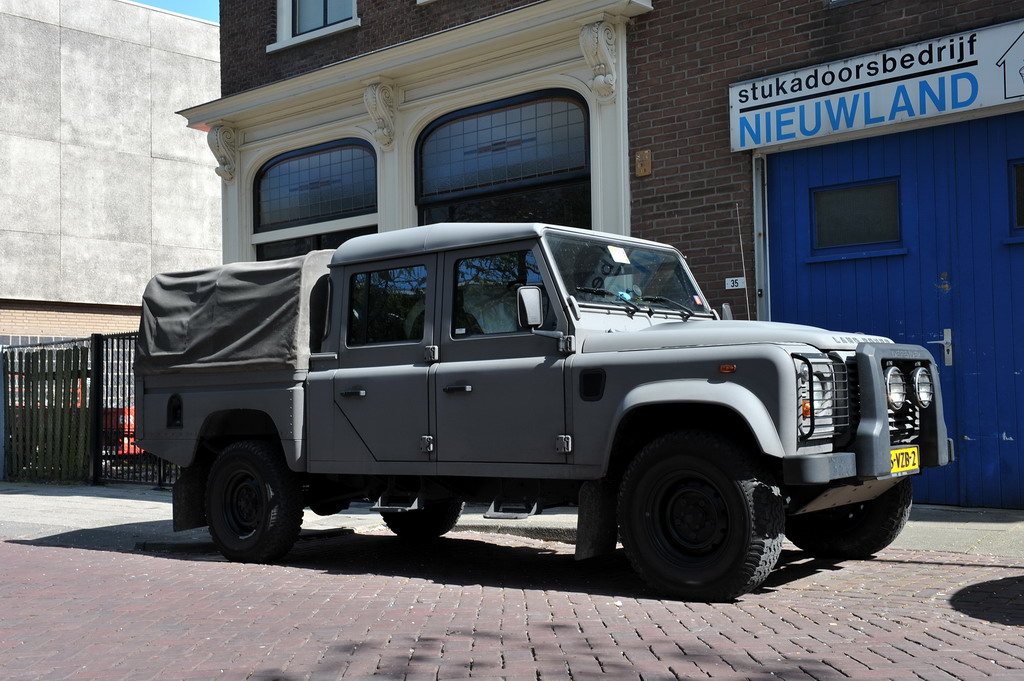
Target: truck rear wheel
(253, 503)
(426, 523)
(856, 530)
(699, 517)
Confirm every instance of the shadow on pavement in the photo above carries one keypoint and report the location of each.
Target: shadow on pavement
(795, 565)
(469, 559)
(462, 558)
(1000, 601)
(126, 537)
(465, 558)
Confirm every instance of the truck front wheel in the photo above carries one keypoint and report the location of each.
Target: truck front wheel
(856, 530)
(699, 517)
(253, 503)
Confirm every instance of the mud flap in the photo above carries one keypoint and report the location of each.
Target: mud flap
(597, 527)
(189, 498)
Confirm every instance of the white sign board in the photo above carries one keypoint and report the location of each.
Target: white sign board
(733, 283)
(951, 75)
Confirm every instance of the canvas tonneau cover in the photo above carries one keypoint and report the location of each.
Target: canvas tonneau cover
(237, 317)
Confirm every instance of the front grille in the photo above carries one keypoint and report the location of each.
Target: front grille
(905, 425)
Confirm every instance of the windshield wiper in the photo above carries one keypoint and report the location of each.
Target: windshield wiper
(621, 297)
(687, 312)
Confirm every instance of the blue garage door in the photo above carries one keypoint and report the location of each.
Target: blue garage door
(920, 236)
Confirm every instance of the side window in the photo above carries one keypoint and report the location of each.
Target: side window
(309, 15)
(485, 293)
(387, 306)
(300, 21)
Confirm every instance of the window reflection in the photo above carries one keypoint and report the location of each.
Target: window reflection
(520, 159)
(320, 183)
(387, 306)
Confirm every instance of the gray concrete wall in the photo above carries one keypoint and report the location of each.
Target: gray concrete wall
(101, 183)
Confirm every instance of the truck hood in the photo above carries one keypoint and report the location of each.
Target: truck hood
(701, 332)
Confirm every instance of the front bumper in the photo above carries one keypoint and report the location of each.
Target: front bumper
(879, 434)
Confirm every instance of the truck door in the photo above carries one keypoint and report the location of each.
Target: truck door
(380, 388)
(499, 391)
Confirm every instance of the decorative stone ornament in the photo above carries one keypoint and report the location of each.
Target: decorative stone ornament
(379, 97)
(221, 139)
(597, 40)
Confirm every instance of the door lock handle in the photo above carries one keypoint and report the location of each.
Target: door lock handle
(947, 346)
(458, 389)
(353, 393)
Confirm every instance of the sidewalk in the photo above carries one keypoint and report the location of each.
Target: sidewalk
(129, 517)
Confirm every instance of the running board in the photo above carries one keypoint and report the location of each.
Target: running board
(501, 509)
(398, 503)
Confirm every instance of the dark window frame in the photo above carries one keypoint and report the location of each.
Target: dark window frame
(326, 22)
(380, 318)
(860, 247)
(500, 189)
(259, 228)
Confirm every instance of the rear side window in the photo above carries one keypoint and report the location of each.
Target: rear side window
(387, 306)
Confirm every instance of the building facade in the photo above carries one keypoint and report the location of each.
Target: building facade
(886, 200)
(101, 184)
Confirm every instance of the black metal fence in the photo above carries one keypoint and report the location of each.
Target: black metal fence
(69, 413)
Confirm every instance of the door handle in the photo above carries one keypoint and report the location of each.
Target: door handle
(458, 389)
(353, 393)
(947, 346)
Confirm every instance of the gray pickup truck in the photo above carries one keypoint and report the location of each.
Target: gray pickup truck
(527, 366)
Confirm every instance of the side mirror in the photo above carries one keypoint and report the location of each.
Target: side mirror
(530, 306)
(726, 311)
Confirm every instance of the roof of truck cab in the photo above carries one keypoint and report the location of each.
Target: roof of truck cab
(444, 236)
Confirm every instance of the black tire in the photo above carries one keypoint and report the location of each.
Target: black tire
(856, 530)
(424, 524)
(253, 503)
(699, 517)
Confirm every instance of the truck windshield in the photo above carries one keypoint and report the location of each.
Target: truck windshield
(636, 277)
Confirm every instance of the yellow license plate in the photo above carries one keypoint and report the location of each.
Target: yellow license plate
(904, 460)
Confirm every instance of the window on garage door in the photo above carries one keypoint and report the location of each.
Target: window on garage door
(862, 215)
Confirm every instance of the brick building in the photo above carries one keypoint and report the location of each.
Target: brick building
(101, 185)
(856, 164)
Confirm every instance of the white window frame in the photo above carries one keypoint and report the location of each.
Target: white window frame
(285, 24)
(314, 229)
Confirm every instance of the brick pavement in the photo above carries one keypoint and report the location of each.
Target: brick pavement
(495, 607)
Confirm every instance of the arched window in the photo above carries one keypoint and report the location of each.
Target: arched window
(524, 159)
(328, 182)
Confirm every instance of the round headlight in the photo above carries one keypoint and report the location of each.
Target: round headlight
(924, 388)
(803, 376)
(895, 388)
